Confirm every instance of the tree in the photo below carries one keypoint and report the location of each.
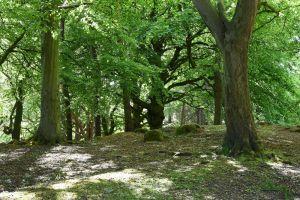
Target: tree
(232, 37)
(49, 127)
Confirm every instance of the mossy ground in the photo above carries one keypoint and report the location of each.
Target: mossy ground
(122, 166)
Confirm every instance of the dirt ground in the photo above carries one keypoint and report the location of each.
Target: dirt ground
(122, 166)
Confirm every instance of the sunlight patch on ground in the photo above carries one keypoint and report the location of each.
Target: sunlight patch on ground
(17, 196)
(135, 180)
(12, 155)
(65, 184)
(62, 154)
(236, 164)
(285, 169)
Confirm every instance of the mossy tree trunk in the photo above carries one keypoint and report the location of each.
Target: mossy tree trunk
(49, 127)
(233, 39)
(155, 115)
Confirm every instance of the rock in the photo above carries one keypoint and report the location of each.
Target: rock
(153, 135)
(188, 128)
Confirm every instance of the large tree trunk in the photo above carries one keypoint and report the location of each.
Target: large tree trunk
(68, 112)
(218, 98)
(155, 115)
(233, 38)
(128, 122)
(49, 127)
(241, 134)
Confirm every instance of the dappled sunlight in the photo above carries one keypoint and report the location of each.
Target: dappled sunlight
(65, 184)
(17, 195)
(135, 180)
(237, 165)
(108, 148)
(13, 155)
(66, 195)
(285, 169)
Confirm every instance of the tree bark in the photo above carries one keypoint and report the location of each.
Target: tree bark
(49, 127)
(218, 98)
(241, 135)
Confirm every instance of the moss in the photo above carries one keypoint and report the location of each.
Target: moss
(187, 128)
(140, 130)
(154, 135)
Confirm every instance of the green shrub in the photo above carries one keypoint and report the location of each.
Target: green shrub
(153, 135)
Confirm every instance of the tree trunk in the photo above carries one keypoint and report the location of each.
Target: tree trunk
(155, 115)
(137, 117)
(49, 127)
(241, 135)
(217, 98)
(183, 114)
(68, 112)
(128, 122)
(232, 37)
(105, 126)
(16, 132)
(97, 126)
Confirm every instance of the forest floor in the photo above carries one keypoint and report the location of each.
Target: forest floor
(122, 166)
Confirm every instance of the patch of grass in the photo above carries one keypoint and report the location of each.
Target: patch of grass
(269, 185)
(154, 135)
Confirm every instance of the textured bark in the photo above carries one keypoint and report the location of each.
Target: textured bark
(241, 134)
(68, 112)
(233, 39)
(218, 98)
(49, 127)
(155, 115)
(128, 122)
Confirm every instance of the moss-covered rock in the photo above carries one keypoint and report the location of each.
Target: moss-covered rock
(141, 130)
(187, 128)
(153, 135)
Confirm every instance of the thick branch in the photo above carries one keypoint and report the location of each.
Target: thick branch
(11, 48)
(212, 19)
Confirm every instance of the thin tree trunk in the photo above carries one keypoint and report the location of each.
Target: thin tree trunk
(16, 132)
(217, 98)
(68, 112)
(128, 122)
(183, 114)
(49, 127)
